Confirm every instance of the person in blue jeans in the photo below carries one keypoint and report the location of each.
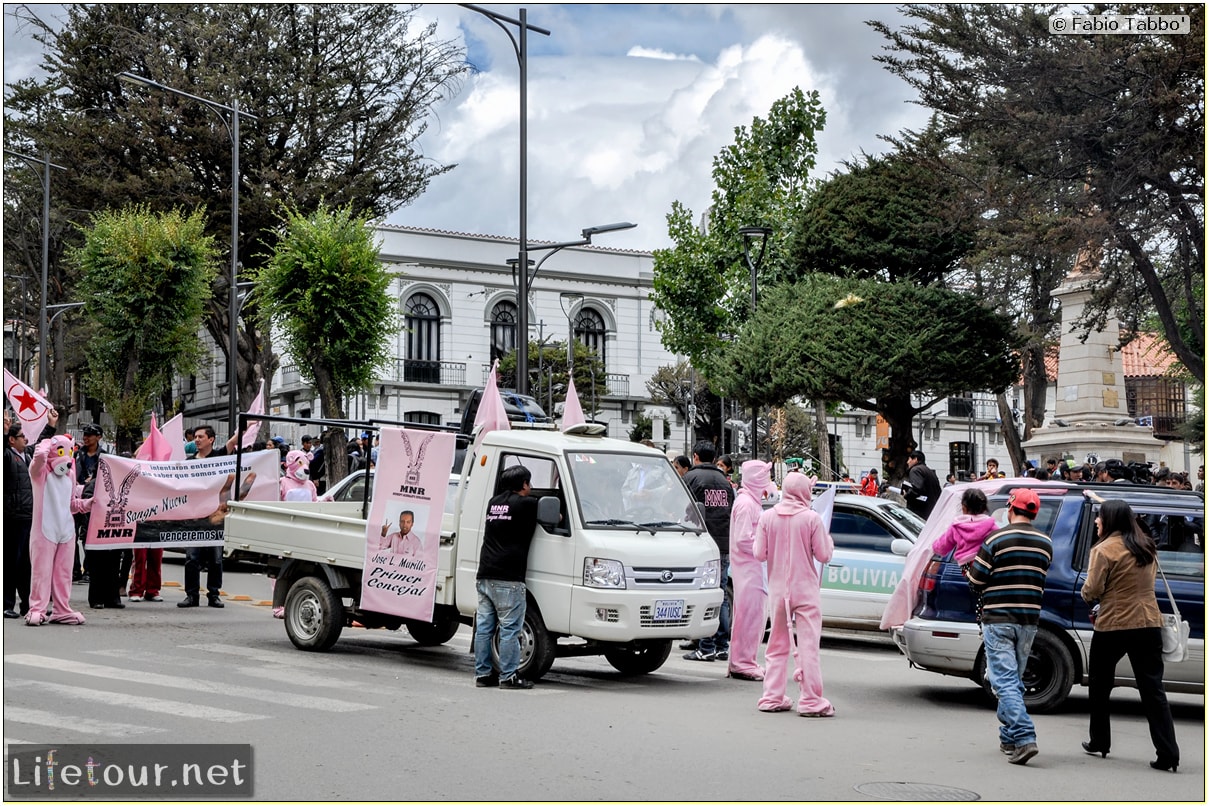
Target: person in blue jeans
(1009, 574)
(503, 561)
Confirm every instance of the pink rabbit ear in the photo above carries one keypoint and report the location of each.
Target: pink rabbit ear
(814, 480)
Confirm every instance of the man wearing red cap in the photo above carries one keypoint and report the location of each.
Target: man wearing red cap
(1009, 575)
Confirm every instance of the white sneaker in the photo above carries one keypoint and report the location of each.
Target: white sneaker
(156, 598)
(136, 598)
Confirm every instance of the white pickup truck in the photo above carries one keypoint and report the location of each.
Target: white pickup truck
(620, 564)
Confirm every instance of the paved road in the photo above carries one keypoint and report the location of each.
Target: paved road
(379, 717)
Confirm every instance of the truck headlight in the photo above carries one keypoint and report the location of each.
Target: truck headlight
(709, 577)
(600, 573)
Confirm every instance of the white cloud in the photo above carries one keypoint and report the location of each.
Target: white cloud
(639, 52)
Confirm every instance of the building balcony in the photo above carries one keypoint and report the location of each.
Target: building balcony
(441, 373)
(616, 384)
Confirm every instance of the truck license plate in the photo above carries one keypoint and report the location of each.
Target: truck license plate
(669, 609)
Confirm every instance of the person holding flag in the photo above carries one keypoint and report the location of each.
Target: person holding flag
(33, 414)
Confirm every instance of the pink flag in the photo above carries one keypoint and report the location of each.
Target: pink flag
(174, 435)
(154, 448)
(33, 410)
(492, 415)
(573, 413)
(257, 407)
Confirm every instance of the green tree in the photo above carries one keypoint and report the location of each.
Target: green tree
(548, 374)
(325, 291)
(1120, 117)
(145, 277)
(891, 217)
(702, 282)
(875, 346)
(341, 95)
(685, 390)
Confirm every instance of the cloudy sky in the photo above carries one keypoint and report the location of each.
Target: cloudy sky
(628, 104)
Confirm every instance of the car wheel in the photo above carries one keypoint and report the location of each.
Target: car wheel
(639, 657)
(1048, 676)
(314, 615)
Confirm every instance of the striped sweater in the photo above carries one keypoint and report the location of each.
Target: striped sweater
(1009, 573)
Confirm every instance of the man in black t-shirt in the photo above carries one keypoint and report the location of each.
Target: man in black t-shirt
(503, 561)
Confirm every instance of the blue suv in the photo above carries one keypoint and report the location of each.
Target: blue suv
(942, 635)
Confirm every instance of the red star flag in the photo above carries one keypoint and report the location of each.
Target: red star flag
(174, 434)
(573, 413)
(491, 416)
(154, 448)
(257, 407)
(33, 410)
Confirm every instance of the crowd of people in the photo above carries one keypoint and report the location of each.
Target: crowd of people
(113, 578)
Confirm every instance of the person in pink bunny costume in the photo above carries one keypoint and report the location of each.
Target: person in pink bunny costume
(52, 538)
(747, 575)
(792, 539)
(296, 484)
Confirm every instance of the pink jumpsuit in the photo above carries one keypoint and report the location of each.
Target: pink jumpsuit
(52, 540)
(750, 608)
(791, 538)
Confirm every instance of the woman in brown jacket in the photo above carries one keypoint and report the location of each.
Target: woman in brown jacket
(1121, 576)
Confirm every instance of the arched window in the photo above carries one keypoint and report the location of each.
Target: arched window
(503, 329)
(590, 331)
(423, 323)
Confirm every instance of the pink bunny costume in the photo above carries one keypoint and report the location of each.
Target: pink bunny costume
(53, 534)
(747, 573)
(792, 539)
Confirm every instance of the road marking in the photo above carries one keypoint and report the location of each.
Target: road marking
(152, 704)
(276, 666)
(192, 684)
(288, 656)
(75, 724)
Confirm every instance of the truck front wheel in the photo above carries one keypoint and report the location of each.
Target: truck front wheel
(537, 647)
(314, 615)
(639, 657)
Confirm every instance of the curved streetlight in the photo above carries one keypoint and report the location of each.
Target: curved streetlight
(568, 301)
(233, 300)
(759, 236)
(44, 178)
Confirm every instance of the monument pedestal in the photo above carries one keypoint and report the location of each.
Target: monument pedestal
(1129, 443)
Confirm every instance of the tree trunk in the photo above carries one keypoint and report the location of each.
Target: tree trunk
(335, 440)
(824, 444)
(898, 413)
(1036, 381)
(1011, 437)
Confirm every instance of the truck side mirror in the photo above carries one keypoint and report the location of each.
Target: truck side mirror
(548, 512)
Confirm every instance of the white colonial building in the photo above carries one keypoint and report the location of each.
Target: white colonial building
(457, 296)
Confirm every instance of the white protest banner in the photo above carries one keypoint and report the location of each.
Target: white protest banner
(138, 504)
(403, 533)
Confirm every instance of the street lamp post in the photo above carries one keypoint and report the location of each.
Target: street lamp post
(520, 45)
(44, 177)
(567, 300)
(233, 292)
(760, 236)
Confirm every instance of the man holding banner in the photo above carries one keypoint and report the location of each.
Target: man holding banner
(503, 562)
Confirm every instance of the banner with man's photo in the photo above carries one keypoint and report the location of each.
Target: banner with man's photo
(141, 504)
(403, 534)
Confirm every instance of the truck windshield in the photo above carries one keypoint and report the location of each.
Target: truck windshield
(631, 490)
